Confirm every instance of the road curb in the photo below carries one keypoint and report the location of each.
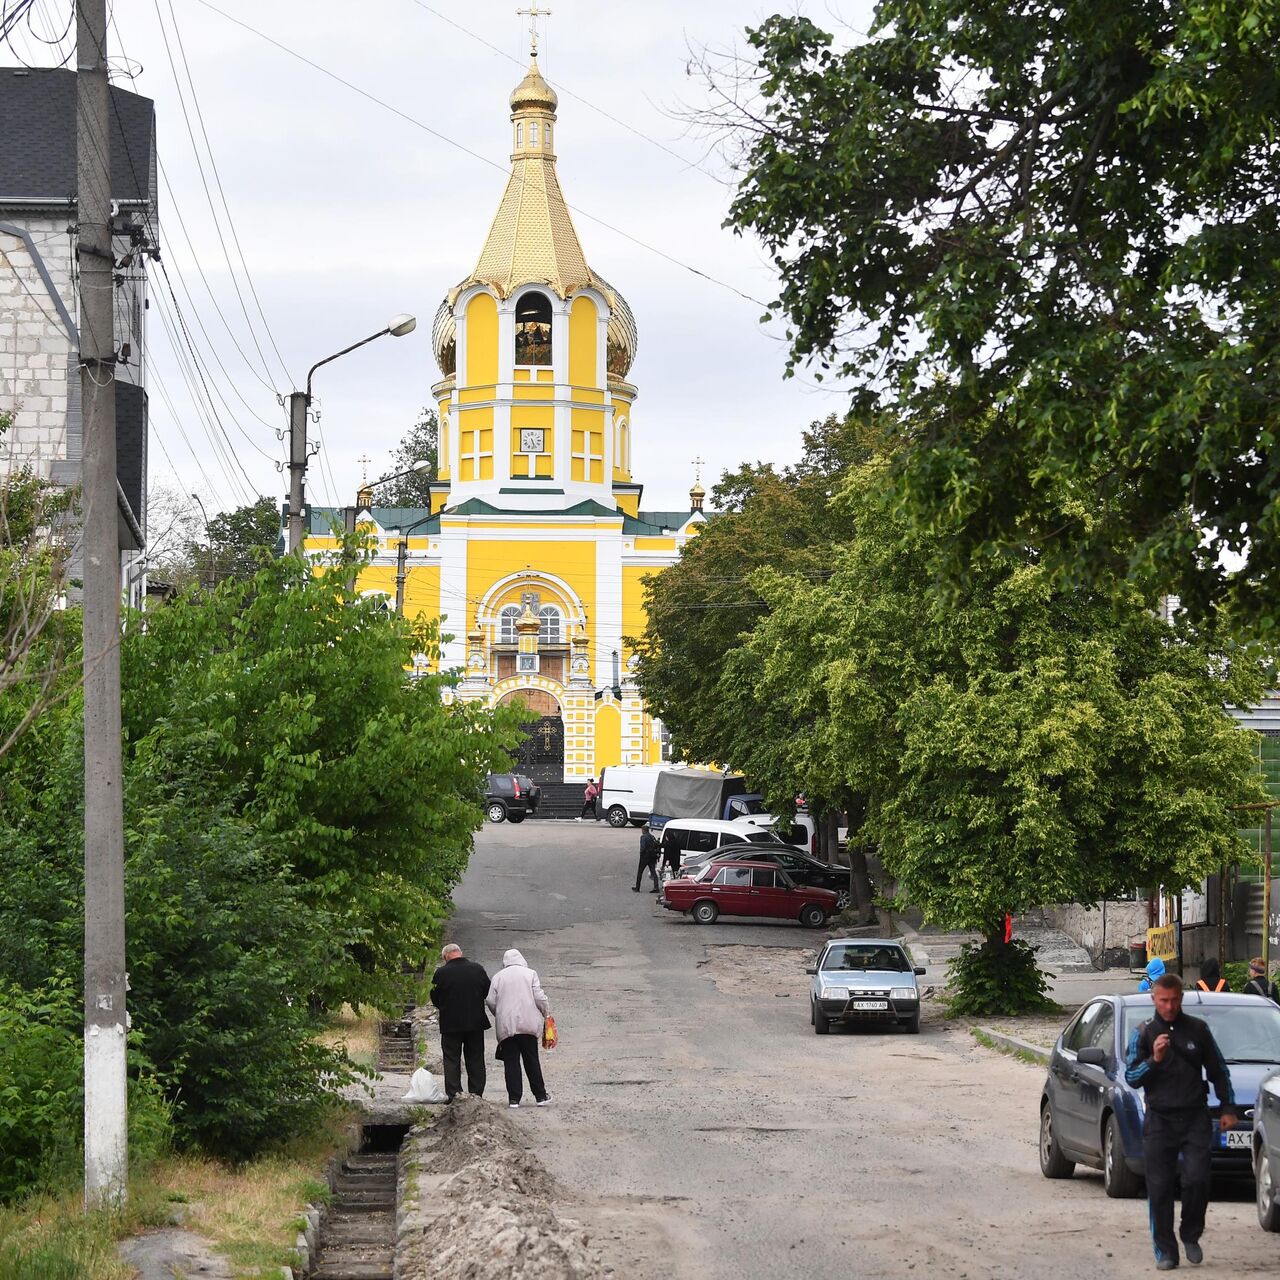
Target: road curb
(1015, 1045)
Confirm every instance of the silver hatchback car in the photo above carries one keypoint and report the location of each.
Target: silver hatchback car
(864, 980)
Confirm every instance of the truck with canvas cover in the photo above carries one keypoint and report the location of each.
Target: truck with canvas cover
(690, 792)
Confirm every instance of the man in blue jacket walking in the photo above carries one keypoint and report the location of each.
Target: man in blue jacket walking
(1169, 1058)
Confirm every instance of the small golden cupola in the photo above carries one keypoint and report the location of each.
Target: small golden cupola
(535, 409)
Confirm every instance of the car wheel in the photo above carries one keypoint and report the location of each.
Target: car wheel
(1118, 1180)
(913, 1025)
(497, 812)
(1268, 1210)
(1053, 1164)
(617, 816)
(821, 1024)
(515, 816)
(705, 912)
(812, 916)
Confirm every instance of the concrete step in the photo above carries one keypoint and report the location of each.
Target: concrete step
(354, 1271)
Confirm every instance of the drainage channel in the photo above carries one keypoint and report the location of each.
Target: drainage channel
(357, 1238)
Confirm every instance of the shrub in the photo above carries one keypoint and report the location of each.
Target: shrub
(42, 1093)
(998, 977)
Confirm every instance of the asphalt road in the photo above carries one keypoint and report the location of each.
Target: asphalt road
(701, 1129)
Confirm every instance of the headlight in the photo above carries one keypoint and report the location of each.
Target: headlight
(903, 993)
(834, 993)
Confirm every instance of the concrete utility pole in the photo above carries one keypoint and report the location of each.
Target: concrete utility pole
(297, 464)
(106, 1126)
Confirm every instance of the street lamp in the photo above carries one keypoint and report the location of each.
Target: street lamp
(208, 537)
(299, 404)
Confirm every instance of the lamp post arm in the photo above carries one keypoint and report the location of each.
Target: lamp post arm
(371, 338)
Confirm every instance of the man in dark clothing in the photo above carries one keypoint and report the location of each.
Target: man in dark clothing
(1169, 1058)
(458, 990)
(1258, 984)
(670, 854)
(649, 850)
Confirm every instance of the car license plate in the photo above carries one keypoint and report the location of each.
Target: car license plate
(1237, 1138)
(870, 1004)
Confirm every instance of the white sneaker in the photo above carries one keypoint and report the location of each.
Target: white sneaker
(577, 819)
(513, 1106)
(546, 1102)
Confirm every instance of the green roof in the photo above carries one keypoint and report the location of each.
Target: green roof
(413, 519)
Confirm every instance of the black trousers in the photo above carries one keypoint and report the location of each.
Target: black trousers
(650, 865)
(589, 809)
(453, 1045)
(1165, 1136)
(518, 1049)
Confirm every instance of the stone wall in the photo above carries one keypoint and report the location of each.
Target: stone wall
(1102, 929)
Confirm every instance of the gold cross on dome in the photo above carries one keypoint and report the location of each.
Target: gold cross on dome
(698, 464)
(533, 13)
(364, 461)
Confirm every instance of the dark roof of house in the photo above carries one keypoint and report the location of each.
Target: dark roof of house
(653, 524)
(411, 520)
(38, 137)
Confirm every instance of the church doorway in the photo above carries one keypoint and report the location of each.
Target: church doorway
(541, 754)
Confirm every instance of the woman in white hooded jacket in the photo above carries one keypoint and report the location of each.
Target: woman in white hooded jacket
(519, 1005)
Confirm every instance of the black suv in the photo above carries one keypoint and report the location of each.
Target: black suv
(511, 796)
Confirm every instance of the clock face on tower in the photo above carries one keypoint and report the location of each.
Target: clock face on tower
(531, 439)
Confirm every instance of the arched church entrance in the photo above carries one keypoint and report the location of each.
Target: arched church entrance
(541, 753)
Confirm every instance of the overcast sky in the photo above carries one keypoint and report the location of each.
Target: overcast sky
(348, 213)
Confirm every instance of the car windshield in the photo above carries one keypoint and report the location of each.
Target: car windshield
(1244, 1032)
(854, 956)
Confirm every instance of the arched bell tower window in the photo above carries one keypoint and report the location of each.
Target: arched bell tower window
(507, 624)
(548, 624)
(533, 329)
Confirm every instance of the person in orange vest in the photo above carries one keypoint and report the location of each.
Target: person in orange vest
(1211, 978)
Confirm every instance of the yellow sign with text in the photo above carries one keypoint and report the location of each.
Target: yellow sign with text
(1162, 943)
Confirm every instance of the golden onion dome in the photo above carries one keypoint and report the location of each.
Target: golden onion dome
(533, 92)
(623, 337)
(444, 339)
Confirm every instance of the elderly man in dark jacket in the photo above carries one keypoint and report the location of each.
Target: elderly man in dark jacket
(458, 990)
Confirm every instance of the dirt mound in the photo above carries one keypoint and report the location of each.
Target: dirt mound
(477, 1205)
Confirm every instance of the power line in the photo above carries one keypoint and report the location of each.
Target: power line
(475, 155)
(586, 102)
(208, 195)
(217, 176)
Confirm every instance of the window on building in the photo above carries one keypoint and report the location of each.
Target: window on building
(507, 624)
(549, 629)
(520, 134)
(533, 133)
(546, 142)
(533, 329)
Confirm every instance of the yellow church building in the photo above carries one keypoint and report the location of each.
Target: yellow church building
(535, 545)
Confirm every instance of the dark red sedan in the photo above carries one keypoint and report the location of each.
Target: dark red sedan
(743, 888)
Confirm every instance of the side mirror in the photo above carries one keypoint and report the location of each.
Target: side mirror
(918, 971)
(811, 971)
(1091, 1056)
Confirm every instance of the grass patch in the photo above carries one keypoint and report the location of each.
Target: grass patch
(249, 1212)
(357, 1029)
(1022, 1055)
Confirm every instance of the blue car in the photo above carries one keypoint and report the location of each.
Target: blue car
(1089, 1115)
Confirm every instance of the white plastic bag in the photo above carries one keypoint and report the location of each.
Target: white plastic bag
(424, 1087)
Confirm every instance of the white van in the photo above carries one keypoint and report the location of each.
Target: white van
(799, 831)
(688, 837)
(626, 792)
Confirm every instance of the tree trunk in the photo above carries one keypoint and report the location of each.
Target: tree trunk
(860, 882)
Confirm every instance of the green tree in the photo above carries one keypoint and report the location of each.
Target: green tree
(297, 813)
(1049, 234)
(421, 443)
(1019, 744)
(699, 611)
(33, 625)
(236, 542)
